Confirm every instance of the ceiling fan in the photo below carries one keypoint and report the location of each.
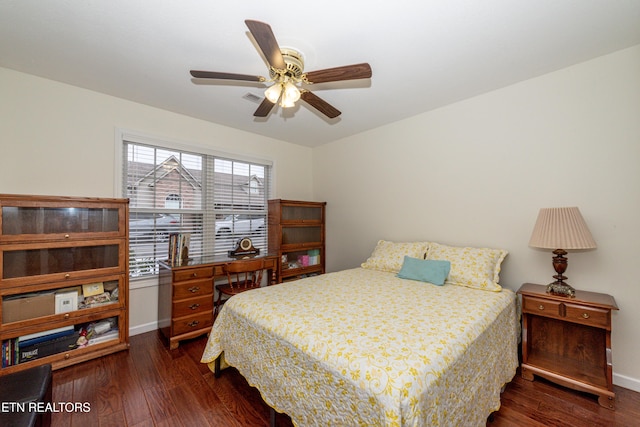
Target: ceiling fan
(286, 71)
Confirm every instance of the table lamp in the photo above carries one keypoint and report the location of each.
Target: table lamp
(561, 229)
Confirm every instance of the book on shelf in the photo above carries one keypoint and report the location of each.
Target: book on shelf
(178, 247)
(10, 352)
(110, 335)
(46, 335)
(46, 348)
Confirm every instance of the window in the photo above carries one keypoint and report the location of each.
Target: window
(217, 199)
(173, 201)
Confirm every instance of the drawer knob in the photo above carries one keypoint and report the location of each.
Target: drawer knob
(195, 274)
(194, 289)
(66, 276)
(67, 356)
(585, 315)
(66, 236)
(193, 323)
(541, 307)
(194, 306)
(66, 316)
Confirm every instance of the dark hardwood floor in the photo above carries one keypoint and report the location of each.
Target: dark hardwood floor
(152, 386)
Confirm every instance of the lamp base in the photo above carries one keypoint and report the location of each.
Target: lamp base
(561, 289)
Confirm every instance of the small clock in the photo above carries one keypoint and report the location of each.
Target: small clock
(245, 244)
(244, 247)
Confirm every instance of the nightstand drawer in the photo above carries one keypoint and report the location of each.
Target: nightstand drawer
(589, 315)
(541, 307)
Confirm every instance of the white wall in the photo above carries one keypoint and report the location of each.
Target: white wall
(477, 172)
(58, 139)
(473, 173)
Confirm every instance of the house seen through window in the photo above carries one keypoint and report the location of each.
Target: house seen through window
(217, 200)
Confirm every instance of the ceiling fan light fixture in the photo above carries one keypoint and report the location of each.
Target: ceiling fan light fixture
(290, 94)
(273, 92)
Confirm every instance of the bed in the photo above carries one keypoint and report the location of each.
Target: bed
(366, 347)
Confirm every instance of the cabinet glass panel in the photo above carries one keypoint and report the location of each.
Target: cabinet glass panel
(301, 213)
(299, 235)
(18, 220)
(35, 262)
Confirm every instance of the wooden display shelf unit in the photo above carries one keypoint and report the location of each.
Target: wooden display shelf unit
(568, 340)
(297, 235)
(52, 248)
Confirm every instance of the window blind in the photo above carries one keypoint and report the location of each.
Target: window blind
(216, 199)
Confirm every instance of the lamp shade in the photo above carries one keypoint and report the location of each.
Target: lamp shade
(561, 228)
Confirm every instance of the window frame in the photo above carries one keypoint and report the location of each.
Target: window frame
(124, 137)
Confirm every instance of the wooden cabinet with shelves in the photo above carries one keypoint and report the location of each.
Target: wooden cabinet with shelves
(568, 340)
(297, 236)
(63, 274)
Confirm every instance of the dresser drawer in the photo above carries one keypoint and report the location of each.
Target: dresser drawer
(588, 315)
(192, 273)
(192, 323)
(191, 306)
(541, 307)
(193, 288)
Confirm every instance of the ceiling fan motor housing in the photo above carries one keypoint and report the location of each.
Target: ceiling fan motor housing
(294, 61)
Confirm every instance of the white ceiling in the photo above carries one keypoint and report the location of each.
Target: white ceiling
(424, 53)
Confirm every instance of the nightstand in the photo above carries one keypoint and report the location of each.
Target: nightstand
(568, 340)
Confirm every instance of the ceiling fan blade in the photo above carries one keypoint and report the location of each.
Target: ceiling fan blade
(263, 35)
(347, 72)
(264, 109)
(225, 76)
(319, 104)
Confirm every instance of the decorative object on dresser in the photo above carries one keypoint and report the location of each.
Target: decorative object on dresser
(244, 247)
(64, 279)
(561, 229)
(186, 294)
(568, 341)
(297, 235)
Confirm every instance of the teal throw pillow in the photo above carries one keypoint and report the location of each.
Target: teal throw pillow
(425, 270)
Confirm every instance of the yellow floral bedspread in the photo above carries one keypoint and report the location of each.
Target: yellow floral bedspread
(365, 348)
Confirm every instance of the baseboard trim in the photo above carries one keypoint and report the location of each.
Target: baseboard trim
(626, 382)
(141, 329)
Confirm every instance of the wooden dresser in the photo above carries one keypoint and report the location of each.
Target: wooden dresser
(568, 340)
(186, 295)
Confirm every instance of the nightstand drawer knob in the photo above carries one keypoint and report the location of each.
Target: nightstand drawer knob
(541, 307)
(585, 315)
(194, 289)
(194, 306)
